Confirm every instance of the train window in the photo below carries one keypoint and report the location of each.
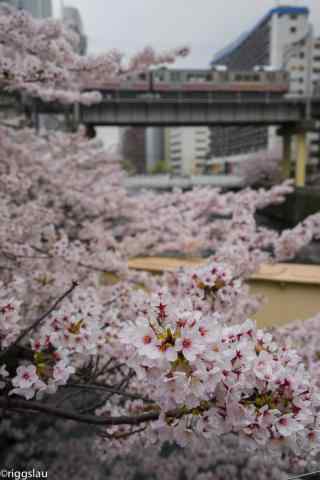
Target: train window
(175, 76)
(209, 77)
(293, 17)
(195, 78)
(224, 76)
(238, 77)
(142, 76)
(256, 78)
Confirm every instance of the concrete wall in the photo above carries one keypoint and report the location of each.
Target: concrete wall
(292, 292)
(285, 302)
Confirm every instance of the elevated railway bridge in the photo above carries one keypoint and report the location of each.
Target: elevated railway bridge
(195, 97)
(293, 116)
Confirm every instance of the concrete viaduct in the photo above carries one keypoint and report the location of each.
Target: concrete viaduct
(293, 116)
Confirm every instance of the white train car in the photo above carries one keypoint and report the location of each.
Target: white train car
(219, 81)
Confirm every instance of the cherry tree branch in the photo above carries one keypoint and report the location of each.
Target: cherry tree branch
(39, 320)
(25, 405)
(108, 388)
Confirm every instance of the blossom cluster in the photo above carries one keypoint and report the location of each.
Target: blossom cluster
(69, 337)
(38, 57)
(210, 379)
(173, 358)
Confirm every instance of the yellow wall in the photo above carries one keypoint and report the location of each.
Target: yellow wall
(286, 302)
(292, 291)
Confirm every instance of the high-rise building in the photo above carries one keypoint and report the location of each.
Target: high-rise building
(13, 3)
(133, 149)
(37, 8)
(155, 148)
(317, 89)
(72, 19)
(187, 149)
(282, 39)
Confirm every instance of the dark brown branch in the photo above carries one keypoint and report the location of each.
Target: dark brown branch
(114, 390)
(93, 406)
(25, 405)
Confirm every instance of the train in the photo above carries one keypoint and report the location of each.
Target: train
(163, 82)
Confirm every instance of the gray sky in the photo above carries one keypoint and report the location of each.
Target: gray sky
(205, 25)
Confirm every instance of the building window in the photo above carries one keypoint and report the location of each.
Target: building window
(293, 29)
(301, 55)
(293, 17)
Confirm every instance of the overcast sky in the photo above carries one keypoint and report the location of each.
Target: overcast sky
(205, 25)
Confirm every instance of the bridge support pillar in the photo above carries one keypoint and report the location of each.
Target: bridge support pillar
(302, 153)
(286, 156)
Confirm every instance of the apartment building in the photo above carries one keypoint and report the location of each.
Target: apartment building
(187, 149)
(72, 19)
(284, 39)
(37, 8)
